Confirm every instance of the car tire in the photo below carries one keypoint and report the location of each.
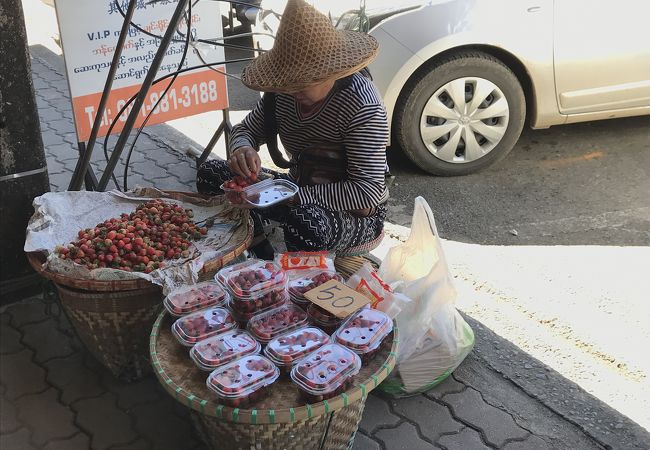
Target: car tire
(411, 124)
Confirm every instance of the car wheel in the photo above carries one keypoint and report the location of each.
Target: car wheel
(463, 115)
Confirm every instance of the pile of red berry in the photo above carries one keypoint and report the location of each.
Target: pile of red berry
(269, 324)
(139, 242)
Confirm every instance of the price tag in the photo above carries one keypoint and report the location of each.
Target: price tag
(337, 298)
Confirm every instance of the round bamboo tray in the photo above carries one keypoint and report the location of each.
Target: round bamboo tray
(279, 421)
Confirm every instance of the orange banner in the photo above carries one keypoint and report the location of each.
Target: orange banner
(190, 94)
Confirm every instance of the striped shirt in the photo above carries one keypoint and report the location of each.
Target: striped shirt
(353, 116)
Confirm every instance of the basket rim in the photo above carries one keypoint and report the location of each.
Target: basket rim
(268, 416)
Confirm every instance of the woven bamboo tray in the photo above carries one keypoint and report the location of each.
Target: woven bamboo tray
(281, 420)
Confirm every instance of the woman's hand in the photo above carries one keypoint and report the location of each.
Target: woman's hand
(245, 161)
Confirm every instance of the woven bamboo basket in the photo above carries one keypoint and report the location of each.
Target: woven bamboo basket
(280, 421)
(114, 318)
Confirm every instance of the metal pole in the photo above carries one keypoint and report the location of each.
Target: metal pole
(79, 173)
(144, 90)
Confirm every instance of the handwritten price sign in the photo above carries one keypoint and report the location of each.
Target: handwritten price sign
(337, 298)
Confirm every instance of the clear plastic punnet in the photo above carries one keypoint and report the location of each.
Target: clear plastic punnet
(188, 299)
(254, 279)
(223, 348)
(269, 192)
(323, 319)
(271, 301)
(202, 324)
(244, 381)
(221, 276)
(274, 322)
(364, 332)
(310, 280)
(286, 349)
(325, 372)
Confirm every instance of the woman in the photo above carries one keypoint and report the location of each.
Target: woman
(320, 98)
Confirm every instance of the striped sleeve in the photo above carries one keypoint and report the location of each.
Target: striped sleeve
(250, 131)
(365, 139)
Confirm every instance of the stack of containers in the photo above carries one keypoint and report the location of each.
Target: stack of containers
(288, 348)
(325, 372)
(308, 281)
(274, 322)
(188, 299)
(201, 325)
(255, 286)
(223, 348)
(364, 332)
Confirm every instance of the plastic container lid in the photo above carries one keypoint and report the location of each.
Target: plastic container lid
(287, 348)
(274, 322)
(308, 281)
(269, 192)
(242, 377)
(221, 276)
(250, 281)
(223, 348)
(245, 316)
(364, 330)
(325, 369)
(202, 324)
(187, 299)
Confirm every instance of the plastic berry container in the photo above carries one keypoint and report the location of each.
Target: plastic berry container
(243, 381)
(202, 324)
(262, 300)
(274, 322)
(191, 298)
(286, 349)
(323, 319)
(364, 332)
(237, 189)
(244, 316)
(223, 348)
(310, 280)
(254, 279)
(223, 274)
(325, 372)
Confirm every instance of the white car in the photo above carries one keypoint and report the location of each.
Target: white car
(459, 78)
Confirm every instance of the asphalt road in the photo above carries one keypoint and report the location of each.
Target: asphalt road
(573, 184)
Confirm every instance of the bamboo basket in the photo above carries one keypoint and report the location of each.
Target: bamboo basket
(282, 420)
(113, 318)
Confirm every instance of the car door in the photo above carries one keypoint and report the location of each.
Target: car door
(601, 55)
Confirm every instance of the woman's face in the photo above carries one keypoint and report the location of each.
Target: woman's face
(313, 94)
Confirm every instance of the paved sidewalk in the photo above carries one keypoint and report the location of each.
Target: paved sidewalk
(56, 396)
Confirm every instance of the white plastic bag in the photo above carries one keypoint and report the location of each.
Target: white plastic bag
(434, 337)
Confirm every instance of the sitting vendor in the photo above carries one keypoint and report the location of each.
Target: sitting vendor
(320, 97)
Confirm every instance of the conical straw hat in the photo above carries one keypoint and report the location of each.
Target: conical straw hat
(308, 50)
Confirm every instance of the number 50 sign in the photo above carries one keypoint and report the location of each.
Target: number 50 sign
(337, 298)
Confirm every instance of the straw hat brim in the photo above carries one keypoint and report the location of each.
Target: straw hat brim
(354, 51)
